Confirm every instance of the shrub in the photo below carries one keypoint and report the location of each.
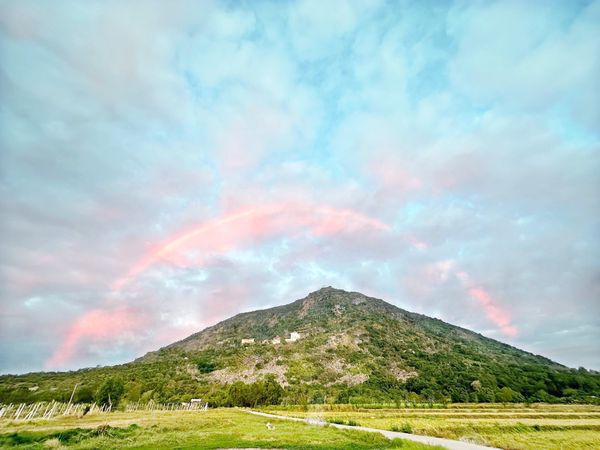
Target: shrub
(110, 391)
(350, 422)
(404, 428)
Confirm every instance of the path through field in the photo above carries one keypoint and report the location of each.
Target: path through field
(446, 443)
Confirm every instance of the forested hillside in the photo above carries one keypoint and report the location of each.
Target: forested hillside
(332, 346)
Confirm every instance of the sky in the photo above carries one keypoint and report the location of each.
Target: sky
(166, 165)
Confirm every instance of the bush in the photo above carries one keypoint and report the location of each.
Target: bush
(350, 422)
(266, 392)
(85, 394)
(404, 428)
(110, 391)
(206, 366)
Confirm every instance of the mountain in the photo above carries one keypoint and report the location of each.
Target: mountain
(332, 345)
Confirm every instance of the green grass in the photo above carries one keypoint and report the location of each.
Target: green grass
(404, 428)
(219, 428)
(350, 423)
(518, 427)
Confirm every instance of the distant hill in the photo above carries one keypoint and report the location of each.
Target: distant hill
(331, 346)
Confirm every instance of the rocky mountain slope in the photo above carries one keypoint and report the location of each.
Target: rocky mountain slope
(349, 339)
(339, 346)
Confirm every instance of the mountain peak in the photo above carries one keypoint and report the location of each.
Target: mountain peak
(325, 291)
(332, 295)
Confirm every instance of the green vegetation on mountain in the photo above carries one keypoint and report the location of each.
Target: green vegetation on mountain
(352, 349)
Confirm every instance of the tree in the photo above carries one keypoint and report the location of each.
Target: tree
(459, 395)
(110, 391)
(486, 395)
(85, 394)
(237, 394)
(476, 385)
(133, 392)
(505, 395)
(272, 391)
(206, 365)
(569, 392)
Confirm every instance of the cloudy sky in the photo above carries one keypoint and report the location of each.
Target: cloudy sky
(165, 165)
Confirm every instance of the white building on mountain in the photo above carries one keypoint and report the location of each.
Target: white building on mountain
(294, 336)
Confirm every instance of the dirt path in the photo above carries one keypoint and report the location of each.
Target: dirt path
(446, 443)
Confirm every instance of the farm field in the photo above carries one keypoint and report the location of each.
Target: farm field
(212, 429)
(518, 427)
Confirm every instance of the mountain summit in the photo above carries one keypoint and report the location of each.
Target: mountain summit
(322, 312)
(331, 314)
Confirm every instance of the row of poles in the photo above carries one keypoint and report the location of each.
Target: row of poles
(49, 410)
(153, 406)
(45, 410)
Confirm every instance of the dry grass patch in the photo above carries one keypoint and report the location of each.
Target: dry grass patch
(531, 427)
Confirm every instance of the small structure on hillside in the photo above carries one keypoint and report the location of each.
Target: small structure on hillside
(248, 341)
(294, 336)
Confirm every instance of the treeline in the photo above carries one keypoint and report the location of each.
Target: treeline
(109, 391)
(264, 392)
(267, 391)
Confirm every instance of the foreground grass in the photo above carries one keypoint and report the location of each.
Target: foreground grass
(220, 428)
(535, 427)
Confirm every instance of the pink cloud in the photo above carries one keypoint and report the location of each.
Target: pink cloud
(393, 174)
(447, 270)
(94, 326)
(498, 316)
(493, 310)
(417, 243)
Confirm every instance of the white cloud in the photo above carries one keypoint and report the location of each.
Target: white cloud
(125, 125)
(529, 56)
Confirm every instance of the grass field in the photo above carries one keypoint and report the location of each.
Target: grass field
(535, 427)
(218, 428)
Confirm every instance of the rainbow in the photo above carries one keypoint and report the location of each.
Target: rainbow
(254, 222)
(217, 235)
